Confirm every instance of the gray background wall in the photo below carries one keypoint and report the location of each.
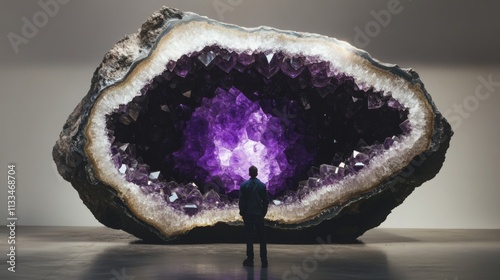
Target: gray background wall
(451, 44)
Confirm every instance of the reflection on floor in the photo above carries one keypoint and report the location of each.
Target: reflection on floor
(102, 253)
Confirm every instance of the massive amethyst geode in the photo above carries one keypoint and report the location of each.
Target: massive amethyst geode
(178, 112)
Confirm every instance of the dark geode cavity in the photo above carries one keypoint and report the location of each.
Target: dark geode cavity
(178, 112)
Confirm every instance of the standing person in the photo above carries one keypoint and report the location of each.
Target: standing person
(253, 208)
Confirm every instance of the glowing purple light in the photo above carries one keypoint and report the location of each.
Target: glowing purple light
(229, 133)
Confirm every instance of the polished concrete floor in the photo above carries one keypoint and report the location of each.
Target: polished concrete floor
(102, 253)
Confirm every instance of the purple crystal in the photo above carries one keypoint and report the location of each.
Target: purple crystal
(361, 157)
(358, 166)
(243, 60)
(320, 79)
(340, 172)
(226, 61)
(405, 126)
(326, 170)
(393, 103)
(158, 188)
(116, 160)
(206, 57)
(313, 183)
(211, 199)
(327, 174)
(316, 68)
(292, 67)
(319, 74)
(136, 176)
(194, 197)
(183, 66)
(171, 65)
(388, 142)
(267, 65)
(376, 149)
(180, 192)
(143, 168)
(170, 186)
(374, 101)
(242, 135)
(302, 192)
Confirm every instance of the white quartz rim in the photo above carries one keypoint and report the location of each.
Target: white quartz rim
(193, 36)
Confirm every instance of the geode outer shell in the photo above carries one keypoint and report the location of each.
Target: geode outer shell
(117, 204)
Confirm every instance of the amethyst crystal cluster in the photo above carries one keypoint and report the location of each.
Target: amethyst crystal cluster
(234, 133)
(169, 128)
(192, 123)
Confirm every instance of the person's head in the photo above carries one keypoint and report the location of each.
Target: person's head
(253, 171)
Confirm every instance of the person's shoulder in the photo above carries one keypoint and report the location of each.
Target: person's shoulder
(260, 183)
(244, 184)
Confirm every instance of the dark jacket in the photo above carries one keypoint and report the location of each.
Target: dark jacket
(253, 198)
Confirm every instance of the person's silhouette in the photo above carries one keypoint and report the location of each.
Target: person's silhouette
(253, 208)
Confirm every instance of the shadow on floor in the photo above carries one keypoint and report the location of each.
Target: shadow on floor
(224, 261)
